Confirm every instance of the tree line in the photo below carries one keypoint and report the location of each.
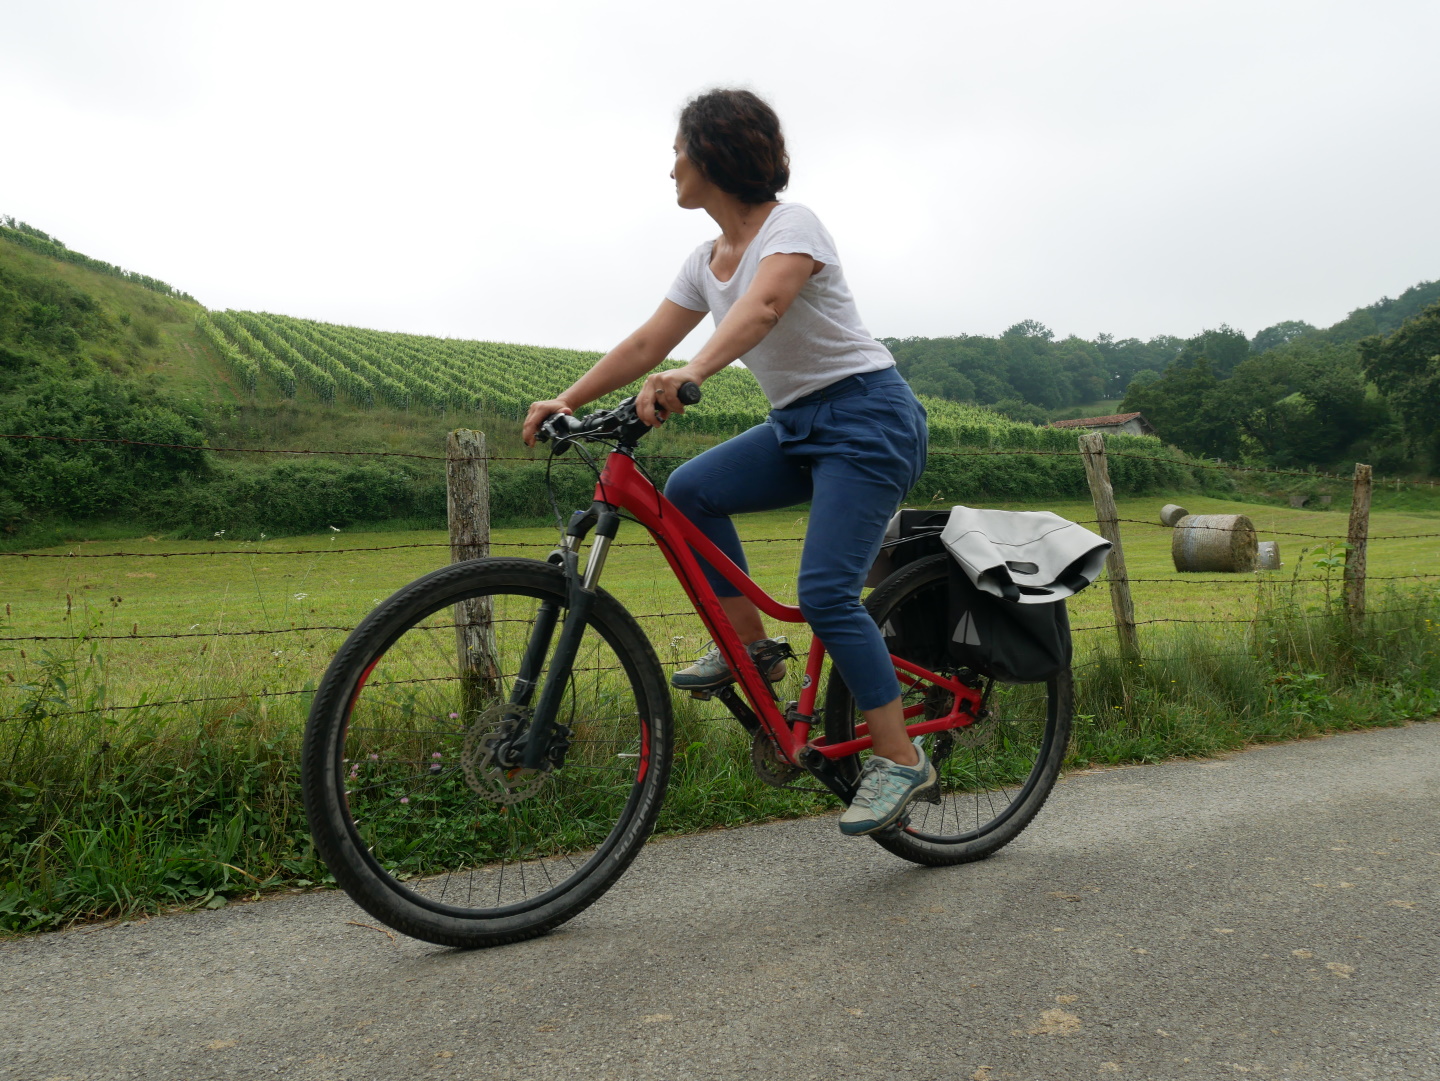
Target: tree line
(1365, 389)
(1292, 395)
(38, 240)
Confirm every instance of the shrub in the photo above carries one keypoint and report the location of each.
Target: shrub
(86, 479)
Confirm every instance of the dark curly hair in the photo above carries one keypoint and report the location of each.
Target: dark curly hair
(734, 138)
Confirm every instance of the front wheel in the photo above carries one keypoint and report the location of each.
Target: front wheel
(996, 773)
(414, 801)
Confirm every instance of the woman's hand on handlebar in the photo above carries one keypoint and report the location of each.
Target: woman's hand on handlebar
(660, 396)
(539, 413)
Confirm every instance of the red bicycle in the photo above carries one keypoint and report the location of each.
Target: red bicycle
(489, 749)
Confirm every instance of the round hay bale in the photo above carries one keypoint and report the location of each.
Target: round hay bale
(1267, 556)
(1171, 513)
(1213, 542)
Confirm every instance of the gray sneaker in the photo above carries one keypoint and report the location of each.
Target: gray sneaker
(886, 789)
(711, 671)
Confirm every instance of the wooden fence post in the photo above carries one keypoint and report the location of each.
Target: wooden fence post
(1097, 472)
(1355, 552)
(467, 500)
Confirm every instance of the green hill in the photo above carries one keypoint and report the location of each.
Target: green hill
(278, 355)
(90, 350)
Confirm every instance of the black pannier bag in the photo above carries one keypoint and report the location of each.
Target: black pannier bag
(995, 614)
(917, 631)
(1009, 642)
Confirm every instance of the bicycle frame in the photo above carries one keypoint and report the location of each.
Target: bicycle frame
(621, 486)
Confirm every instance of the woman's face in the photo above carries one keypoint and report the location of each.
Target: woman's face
(690, 183)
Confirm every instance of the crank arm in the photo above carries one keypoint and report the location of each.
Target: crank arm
(827, 773)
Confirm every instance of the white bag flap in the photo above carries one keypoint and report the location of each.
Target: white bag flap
(1030, 557)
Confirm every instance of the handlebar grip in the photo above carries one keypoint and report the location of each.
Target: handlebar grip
(556, 426)
(689, 393)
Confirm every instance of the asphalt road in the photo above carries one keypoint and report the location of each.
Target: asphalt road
(1269, 915)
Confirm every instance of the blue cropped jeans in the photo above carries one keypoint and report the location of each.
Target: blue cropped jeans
(853, 450)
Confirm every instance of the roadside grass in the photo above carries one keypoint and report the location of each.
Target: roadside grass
(1292, 674)
(122, 811)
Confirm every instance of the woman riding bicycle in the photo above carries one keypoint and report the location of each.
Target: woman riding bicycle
(845, 433)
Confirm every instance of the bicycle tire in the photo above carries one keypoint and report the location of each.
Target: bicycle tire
(1023, 740)
(407, 810)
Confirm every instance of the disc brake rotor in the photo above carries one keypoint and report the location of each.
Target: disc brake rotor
(483, 772)
(977, 733)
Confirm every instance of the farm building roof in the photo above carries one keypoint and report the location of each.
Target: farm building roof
(1099, 422)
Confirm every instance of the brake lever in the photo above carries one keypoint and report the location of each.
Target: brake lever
(689, 394)
(550, 430)
(623, 420)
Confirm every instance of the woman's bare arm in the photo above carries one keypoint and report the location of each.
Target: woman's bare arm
(632, 358)
(778, 281)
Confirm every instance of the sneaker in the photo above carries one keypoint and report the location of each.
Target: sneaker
(886, 789)
(711, 671)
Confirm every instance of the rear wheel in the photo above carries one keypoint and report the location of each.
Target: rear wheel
(407, 789)
(996, 773)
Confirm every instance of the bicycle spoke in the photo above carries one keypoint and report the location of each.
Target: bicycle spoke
(411, 782)
(993, 772)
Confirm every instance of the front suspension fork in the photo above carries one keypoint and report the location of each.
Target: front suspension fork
(580, 599)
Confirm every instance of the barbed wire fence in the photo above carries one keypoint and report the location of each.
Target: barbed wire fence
(467, 464)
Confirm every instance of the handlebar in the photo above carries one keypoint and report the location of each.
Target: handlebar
(622, 421)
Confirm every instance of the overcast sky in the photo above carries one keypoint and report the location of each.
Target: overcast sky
(500, 171)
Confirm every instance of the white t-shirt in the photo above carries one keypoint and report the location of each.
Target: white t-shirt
(819, 339)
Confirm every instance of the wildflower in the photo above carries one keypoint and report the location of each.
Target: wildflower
(334, 530)
(436, 755)
(262, 536)
(454, 715)
(301, 596)
(221, 533)
(376, 757)
(404, 799)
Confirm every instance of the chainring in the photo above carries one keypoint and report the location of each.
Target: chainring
(483, 773)
(769, 765)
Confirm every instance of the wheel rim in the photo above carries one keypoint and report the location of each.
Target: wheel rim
(419, 797)
(988, 769)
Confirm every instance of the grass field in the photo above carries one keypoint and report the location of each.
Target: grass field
(195, 593)
(111, 811)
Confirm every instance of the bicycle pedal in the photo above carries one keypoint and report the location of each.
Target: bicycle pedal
(778, 649)
(702, 696)
(931, 794)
